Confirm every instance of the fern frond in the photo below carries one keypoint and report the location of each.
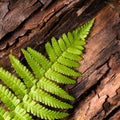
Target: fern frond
(20, 114)
(65, 70)
(39, 91)
(72, 56)
(4, 115)
(79, 43)
(13, 83)
(83, 31)
(74, 51)
(37, 69)
(68, 62)
(58, 77)
(9, 99)
(79, 47)
(47, 99)
(53, 88)
(23, 72)
(66, 40)
(42, 60)
(70, 37)
(41, 111)
(50, 51)
(56, 46)
(62, 44)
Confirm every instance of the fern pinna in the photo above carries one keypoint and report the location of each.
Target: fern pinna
(37, 92)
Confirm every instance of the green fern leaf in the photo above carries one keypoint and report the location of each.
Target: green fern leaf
(62, 44)
(66, 40)
(2, 112)
(13, 83)
(42, 60)
(50, 51)
(83, 31)
(9, 99)
(56, 46)
(4, 115)
(74, 51)
(68, 62)
(57, 77)
(53, 88)
(71, 56)
(47, 99)
(65, 70)
(41, 111)
(20, 114)
(35, 66)
(23, 72)
(70, 37)
(79, 47)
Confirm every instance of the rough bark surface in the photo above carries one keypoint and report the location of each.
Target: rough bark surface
(33, 22)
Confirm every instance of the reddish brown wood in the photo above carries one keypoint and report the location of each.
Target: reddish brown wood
(101, 68)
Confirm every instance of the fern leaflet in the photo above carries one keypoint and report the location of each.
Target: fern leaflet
(40, 111)
(8, 98)
(23, 72)
(43, 97)
(13, 83)
(4, 115)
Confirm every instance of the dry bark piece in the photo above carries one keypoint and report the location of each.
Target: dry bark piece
(13, 18)
(102, 49)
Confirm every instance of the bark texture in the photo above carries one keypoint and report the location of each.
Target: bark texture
(33, 22)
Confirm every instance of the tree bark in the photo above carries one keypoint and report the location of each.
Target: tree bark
(33, 22)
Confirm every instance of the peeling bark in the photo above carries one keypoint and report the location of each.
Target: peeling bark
(32, 23)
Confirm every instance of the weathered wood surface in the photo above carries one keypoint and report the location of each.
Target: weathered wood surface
(31, 23)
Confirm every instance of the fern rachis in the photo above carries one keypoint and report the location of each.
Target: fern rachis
(41, 85)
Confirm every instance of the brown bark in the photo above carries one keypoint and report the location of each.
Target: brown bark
(32, 23)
